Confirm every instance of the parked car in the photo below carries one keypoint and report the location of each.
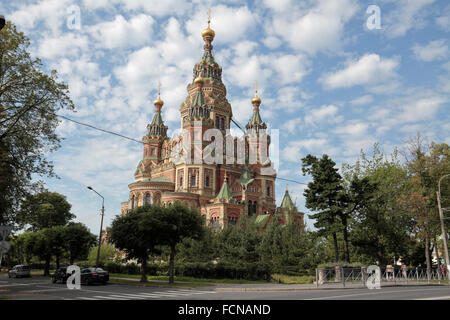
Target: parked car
(60, 275)
(19, 271)
(92, 275)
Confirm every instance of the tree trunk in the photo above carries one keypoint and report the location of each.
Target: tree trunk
(427, 254)
(172, 264)
(47, 267)
(57, 262)
(71, 260)
(144, 270)
(336, 251)
(345, 234)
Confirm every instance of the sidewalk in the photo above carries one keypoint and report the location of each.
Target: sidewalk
(296, 287)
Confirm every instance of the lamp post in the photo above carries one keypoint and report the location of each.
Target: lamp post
(444, 233)
(101, 226)
(2, 21)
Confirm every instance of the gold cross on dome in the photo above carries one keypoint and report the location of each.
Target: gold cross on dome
(256, 88)
(159, 89)
(209, 16)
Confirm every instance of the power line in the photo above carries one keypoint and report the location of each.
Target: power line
(99, 129)
(132, 139)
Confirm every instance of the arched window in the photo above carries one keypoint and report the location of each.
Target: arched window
(133, 202)
(250, 208)
(147, 198)
(207, 181)
(254, 207)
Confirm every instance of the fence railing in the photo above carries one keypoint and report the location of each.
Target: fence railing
(341, 276)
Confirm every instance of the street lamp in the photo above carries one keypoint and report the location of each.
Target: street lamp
(2, 21)
(444, 233)
(101, 226)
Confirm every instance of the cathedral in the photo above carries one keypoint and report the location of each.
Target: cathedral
(225, 189)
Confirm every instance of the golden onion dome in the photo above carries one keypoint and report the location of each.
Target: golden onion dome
(208, 32)
(198, 80)
(256, 100)
(158, 102)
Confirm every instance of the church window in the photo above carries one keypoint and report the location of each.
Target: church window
(153, 151)
(147, 198)
(193, 180)
(207, 181)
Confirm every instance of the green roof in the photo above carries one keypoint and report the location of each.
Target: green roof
(198, 99)
(256, 118)
(245, 178)
(225, 192)
(261, 220)
(287, 202)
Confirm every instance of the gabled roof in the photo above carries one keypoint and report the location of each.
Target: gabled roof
(287, 202)
(225, 192)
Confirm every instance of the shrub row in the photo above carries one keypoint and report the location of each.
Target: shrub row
(247, 271)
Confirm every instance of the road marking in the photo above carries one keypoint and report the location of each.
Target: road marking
(21, 284)
(435, 298)
(86, 298)
(370, 293)
(109, 298)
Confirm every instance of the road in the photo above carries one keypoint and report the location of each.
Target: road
(41, 288)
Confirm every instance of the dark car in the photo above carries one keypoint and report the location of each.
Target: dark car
(19, 270)
(60, 275)
(93, 275)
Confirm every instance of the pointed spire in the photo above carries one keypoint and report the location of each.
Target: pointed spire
(225, 192)
(256, 121)
(287, 202)
(157, 127)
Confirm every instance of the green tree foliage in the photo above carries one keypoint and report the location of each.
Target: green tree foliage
(29, 99)
(136, 234)
(45, 210)
(326, 195)
(108, 253)
(78, 240)
(173, 224)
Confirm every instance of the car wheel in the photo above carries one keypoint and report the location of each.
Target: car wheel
(54, 280)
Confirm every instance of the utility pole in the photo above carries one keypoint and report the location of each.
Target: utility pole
(444, 233)
(101, 227)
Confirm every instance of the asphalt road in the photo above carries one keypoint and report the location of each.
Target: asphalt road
(42, 289)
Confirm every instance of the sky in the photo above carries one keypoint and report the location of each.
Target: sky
(334, 76)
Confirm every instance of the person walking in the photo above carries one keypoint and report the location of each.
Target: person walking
(404, 269)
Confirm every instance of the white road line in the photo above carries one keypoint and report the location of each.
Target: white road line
(435, 298)
(21, 284)
(370, 293)
(86, 298)
(112, 297)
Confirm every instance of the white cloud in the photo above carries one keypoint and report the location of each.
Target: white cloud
(52, 13)
(318, 28)
(362, 100)
(434, 50)
(230, 24)
(370, 69)
(408, 14)
(120, 33)
(325, 114)
(66, 45)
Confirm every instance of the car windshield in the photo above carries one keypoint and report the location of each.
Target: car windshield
(98, 269)
(25, 267)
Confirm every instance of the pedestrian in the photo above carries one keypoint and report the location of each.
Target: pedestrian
(389, 271)
(443, 271)
(404, 268)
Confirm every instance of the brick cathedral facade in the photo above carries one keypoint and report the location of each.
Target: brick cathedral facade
(222, 191)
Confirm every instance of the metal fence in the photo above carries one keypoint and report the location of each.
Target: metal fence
(340, 276)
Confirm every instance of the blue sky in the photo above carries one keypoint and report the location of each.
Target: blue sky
(327, 82)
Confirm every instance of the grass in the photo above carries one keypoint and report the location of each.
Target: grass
(188, 279)
(4, 297)
(280, 278)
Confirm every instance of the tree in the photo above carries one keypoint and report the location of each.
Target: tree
(79, 240)
(107, 253)
(380, 226)
(172, 225)
(426, 164)
(29, 100)
(45, 210)
(136, 233)
(326, 195)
